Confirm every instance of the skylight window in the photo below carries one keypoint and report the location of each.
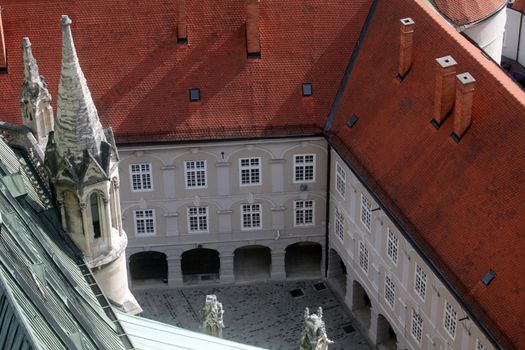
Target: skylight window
(307, 89)
(195, 95)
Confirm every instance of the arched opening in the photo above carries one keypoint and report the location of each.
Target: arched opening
(337, 273)
(200, 265)
(386, 337)
(114, 205)
(73, 214)
(303, 259)
(252, 263)
(94, 203)
(361, 305)
(148, 267)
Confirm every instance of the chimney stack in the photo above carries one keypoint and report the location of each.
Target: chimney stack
(3, 51)
(444, 90)
(182, 22)
(253, 42)
(465, 86)
(406, 39)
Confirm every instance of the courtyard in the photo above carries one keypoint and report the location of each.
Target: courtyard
(263, 314)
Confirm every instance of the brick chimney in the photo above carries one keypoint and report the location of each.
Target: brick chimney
(3, 51)
(465, 85)
(182, 22)
(445, 89)
(253, 42)
(405, 46)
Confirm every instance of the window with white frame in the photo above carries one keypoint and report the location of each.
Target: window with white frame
(304, 167)
(450, 320)
(250, 171)
(417, 327)
(198, 219)
(479, 345)
(304, 213)
(392, 246)
(144, 222)
(366, 213)
(339, 224)
(141, 177)
(195, 173)
(390, 291)
(340, 179)
(251, 217)
(420, 283)
(363, 256)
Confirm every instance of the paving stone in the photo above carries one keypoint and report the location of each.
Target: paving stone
(259, 314)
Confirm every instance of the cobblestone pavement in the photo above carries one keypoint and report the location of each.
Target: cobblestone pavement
(261, 314)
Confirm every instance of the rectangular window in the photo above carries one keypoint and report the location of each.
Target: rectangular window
(340, 179)
(144, 222)
(366, 213)
(420, 284)
(251, 216)
(141, 177)
(195, 173)
(250, 171)
(417, 327)
(390, 291)
(392, 246)
(304, 213)
(363, 256)
(339, 224)
(304, 167)
(198, 219)
(450, 321)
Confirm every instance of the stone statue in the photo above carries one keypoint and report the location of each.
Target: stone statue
(212, 312)
(314, 332)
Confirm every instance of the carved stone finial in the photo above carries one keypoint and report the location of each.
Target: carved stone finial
(314, 332)
(212, 316)
(65, 20)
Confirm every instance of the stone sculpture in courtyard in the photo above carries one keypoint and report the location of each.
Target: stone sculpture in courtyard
(212, 313)
(314, 332)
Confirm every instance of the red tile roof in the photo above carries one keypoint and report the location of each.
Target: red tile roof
(462, 203)
(463, 12)
(519, 5)
(139, 76)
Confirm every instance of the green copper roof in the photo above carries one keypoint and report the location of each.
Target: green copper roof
(48, 297)
(147, 334)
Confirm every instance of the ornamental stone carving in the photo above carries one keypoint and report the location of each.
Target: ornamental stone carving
(212, 316)
(314, 332)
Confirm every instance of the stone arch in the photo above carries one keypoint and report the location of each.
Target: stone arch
(386, 338)
(337, 272)
(200, 265)
(252, 262)
(361, 305)
(254, 148)
(303, 259)
(148, 266)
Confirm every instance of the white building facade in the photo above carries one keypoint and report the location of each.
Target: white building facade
(390, 288)
(228, 211)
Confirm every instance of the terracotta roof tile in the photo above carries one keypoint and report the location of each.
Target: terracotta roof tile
(468, 11)
(139, 76)
(462, 203)
(519, 5)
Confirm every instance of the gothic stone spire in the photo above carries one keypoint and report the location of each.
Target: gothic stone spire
(35, 99)
(78, 128)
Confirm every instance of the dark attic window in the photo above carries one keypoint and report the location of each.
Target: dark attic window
(307, 89)
(195, 95)
(352, 120)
